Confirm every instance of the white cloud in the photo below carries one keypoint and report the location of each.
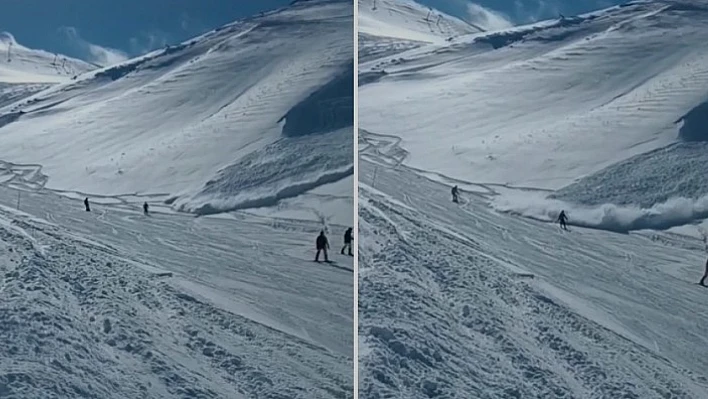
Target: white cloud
(149, 41)
(486, 18)
(93, 52)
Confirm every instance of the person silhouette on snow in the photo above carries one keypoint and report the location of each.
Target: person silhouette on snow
(145, 208)
(562, 218)
(455, 194)
(705, 275)
(348, 241)
(322, 246)
(86, 204)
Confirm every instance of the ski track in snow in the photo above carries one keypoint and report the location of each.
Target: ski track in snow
(114, 304)
(256, 95)
(463, 301)
(487, 299)
(490, 122)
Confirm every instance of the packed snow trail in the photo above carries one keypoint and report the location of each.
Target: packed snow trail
(114, 304)
(462, 301)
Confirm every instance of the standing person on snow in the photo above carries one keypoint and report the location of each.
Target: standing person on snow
(145, 208)
(455, 194)
(562, 219)
(348, 241)
(705, 275)
(86, 204)
(322, 245)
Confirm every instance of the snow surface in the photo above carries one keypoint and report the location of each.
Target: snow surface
(545, 104)
(25, 71)
(248, 128)
(408, 20)
(114, 304)
(602, 115)
(464, 301)
(19, 64)
(268, 99)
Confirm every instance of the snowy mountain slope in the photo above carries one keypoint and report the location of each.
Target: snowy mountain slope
(409, 20)
(114, 304)
(601, 115)
(191, 120)
(389, 27)
(546, 104)
(25, 71)
(464, 301)
(19, 64)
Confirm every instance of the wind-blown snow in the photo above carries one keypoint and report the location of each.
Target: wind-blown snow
(178, 118)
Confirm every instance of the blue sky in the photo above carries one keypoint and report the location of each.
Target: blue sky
(105, 31)
(515, 12)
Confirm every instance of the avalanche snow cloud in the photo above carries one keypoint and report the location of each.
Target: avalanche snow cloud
(578, 101)
(600, 115)
(213, 124)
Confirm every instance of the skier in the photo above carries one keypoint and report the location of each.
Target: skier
(562, 219)
(86, 204)
(455, 193)
(705, 275)
(322, 245)
(348, 241)
(145, 208)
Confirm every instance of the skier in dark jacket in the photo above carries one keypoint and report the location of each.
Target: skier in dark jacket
(348, 241)
(562, 218)
(86, 204)
(145, 208)
(322, 245)
(455, 194)
(705, 275)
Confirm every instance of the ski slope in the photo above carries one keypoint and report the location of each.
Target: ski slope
(25, 71)
(268, 99)
(543, 105)
(19, 64)
(601, 115)
(408, 20)
(114, 304)
(465, 301)
(391, 26)
(241, 142)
